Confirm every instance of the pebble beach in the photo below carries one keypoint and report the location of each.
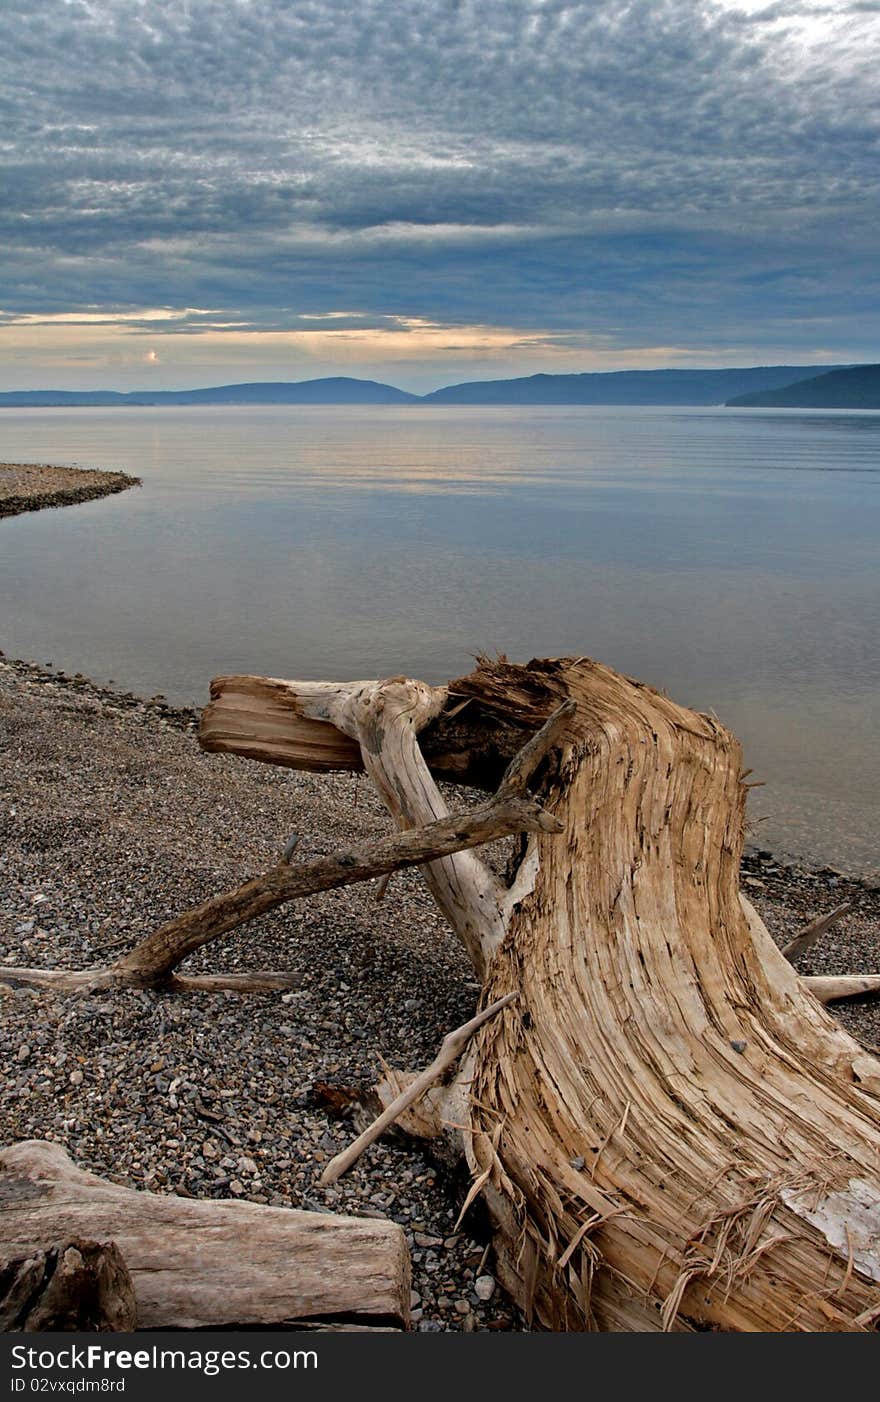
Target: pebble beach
(32, 486)
(112, 820)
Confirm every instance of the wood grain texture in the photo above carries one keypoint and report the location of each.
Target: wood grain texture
(663, 1075)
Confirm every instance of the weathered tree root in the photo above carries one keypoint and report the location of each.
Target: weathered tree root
(668, 1129)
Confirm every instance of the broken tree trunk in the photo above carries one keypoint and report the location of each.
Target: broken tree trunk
(669, 1130)
(211, 1265)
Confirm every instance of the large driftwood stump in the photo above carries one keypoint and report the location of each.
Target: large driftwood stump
(668, 1128)
(210, 1265)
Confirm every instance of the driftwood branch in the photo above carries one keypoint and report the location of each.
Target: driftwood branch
(834, 988)
(451, 1048)
(813, 931)
(151, 963)
(281, 722)
(210, 1265)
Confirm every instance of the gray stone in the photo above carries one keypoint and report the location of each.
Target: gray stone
(484, 1287)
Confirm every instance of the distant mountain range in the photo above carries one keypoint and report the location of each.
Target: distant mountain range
(785, 386)
(336, 390)
(623, 387)
(855, 387)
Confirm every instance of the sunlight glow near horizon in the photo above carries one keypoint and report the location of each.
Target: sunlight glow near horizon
(130, 351)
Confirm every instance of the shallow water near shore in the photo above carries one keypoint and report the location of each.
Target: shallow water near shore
(729, 557)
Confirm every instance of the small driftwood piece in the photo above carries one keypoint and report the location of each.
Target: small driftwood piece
(451, 1048)
(82, 1286)
(210, 1265)
(834, 988)
(814, 931)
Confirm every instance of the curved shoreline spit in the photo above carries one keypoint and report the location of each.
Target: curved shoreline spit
(31, 486)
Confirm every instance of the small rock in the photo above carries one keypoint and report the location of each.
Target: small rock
(578, 1162)
(76, 1078)
(246, 1165)
(24, 1052)
(236, 1186)
(421, 1239)
(739, 1046)
(484, 1287)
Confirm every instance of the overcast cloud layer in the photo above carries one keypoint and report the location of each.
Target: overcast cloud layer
(430, 190)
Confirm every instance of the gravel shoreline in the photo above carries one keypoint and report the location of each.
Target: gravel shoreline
(32, 486)
(112, 820)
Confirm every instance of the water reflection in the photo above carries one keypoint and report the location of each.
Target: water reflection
(728, 557)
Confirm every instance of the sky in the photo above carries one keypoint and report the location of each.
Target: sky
(199, 192)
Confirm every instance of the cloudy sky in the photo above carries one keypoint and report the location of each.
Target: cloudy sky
(426, 191)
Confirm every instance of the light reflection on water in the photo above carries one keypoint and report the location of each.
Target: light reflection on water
(730, 557)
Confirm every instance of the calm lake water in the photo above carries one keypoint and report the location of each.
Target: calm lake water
(728, 556)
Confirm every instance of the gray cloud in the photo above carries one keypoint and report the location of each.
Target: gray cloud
(655, 172)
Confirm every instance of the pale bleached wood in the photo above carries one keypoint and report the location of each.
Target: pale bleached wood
(667, 1128)
(451, 1048)
(663, 1075)
(289, 723)
(386, 718)
(210, 1265)
(832, 988)
(807, 937)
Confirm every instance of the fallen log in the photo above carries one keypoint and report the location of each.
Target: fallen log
(668, 1130)
(210, 1265)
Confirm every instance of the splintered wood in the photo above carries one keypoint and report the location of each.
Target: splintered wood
(646, 1118)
